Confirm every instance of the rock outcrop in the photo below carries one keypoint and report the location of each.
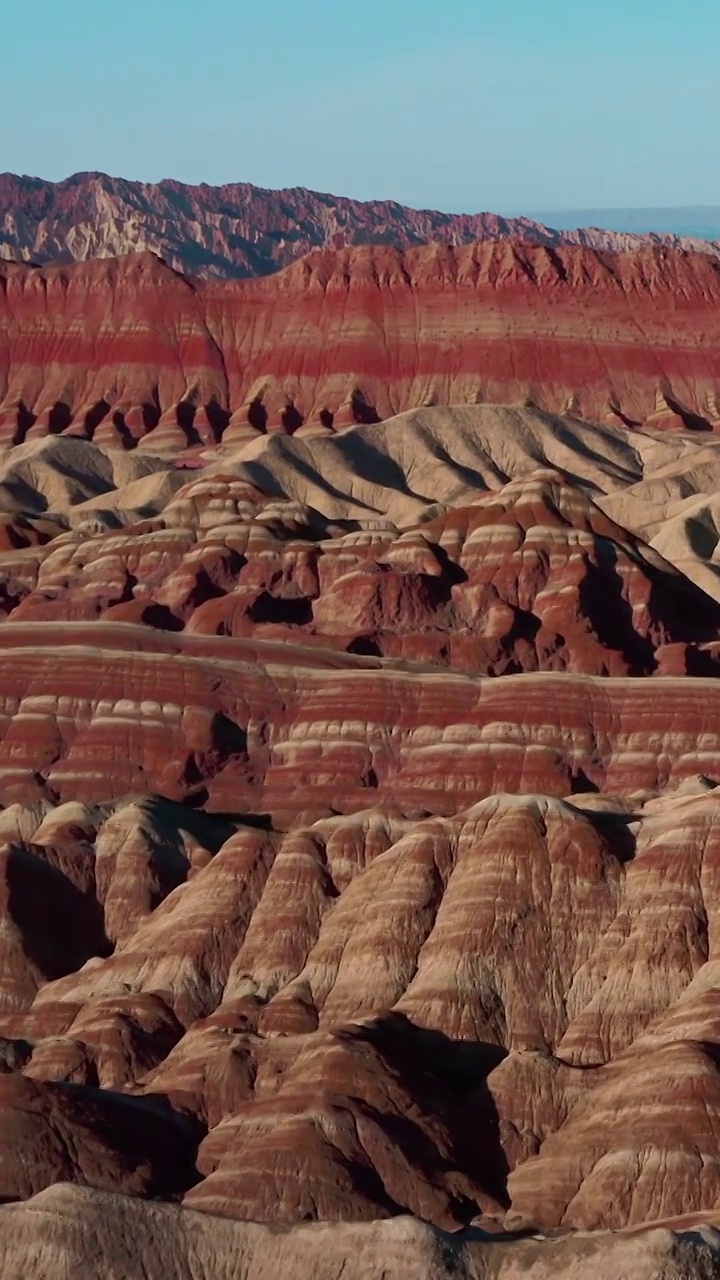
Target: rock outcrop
(108, 709)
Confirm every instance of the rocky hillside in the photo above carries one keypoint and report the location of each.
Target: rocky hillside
(357, 849)
(125, 348)
(238, 230)
(358, 815)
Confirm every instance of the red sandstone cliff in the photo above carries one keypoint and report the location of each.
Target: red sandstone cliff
(122, 347)
(237, 230)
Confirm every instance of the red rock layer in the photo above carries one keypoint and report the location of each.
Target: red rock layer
(121, 709)
(120, 348)
(291, 930)
(208, 837)
(533, 577)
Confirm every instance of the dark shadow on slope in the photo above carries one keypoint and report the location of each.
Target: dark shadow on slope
(633, 424)
(582, 784)
(185, 414)
(161, 617)
(601, 601)
(293, 612)
(204, 589)
(680, 610)
(150, 415)
(447, 1078)
(118, 421)
(59, 418)
(702, 538)
(257, 415)
(263, 478)
(701, 662)
(369, 463)
(209, 829)
(228, 738)
(615, 829)
(14, 1054)
(25, 420)
(60, 926)
(218, 419)
(94, 417)
(690, 420)
(146, 1130)
(365, 646)
(364, 414)
(292, 419)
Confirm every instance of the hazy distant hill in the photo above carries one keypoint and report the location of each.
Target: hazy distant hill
(700, 222)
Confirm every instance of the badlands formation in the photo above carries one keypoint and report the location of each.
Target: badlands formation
(360, 774)
(128, 352)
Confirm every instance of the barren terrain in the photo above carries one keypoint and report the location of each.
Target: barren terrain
(359, 901)
(271, 825)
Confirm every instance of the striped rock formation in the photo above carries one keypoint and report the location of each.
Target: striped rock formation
(122, 349)
(358, 852)
(492, 1063)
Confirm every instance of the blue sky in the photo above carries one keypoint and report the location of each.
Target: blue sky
(452, 104)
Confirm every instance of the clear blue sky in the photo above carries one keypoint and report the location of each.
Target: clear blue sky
(453, 104)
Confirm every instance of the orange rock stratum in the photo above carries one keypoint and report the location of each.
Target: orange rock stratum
(359, 839)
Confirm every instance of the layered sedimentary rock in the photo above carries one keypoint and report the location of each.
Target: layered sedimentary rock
(56, 1132)
(118, 349)
(531, 574)
(121, 708)
(529, 965)
(358, 851)
(240, 230)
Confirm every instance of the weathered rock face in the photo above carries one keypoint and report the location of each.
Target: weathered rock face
(240, 230)
(58, 1230)
(120, 348)
(461, 1077)
(358, 850)
(56, 1132)
(268, 725)
(531, 575)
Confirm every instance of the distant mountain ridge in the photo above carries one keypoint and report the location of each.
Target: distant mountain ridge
(239, 230)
